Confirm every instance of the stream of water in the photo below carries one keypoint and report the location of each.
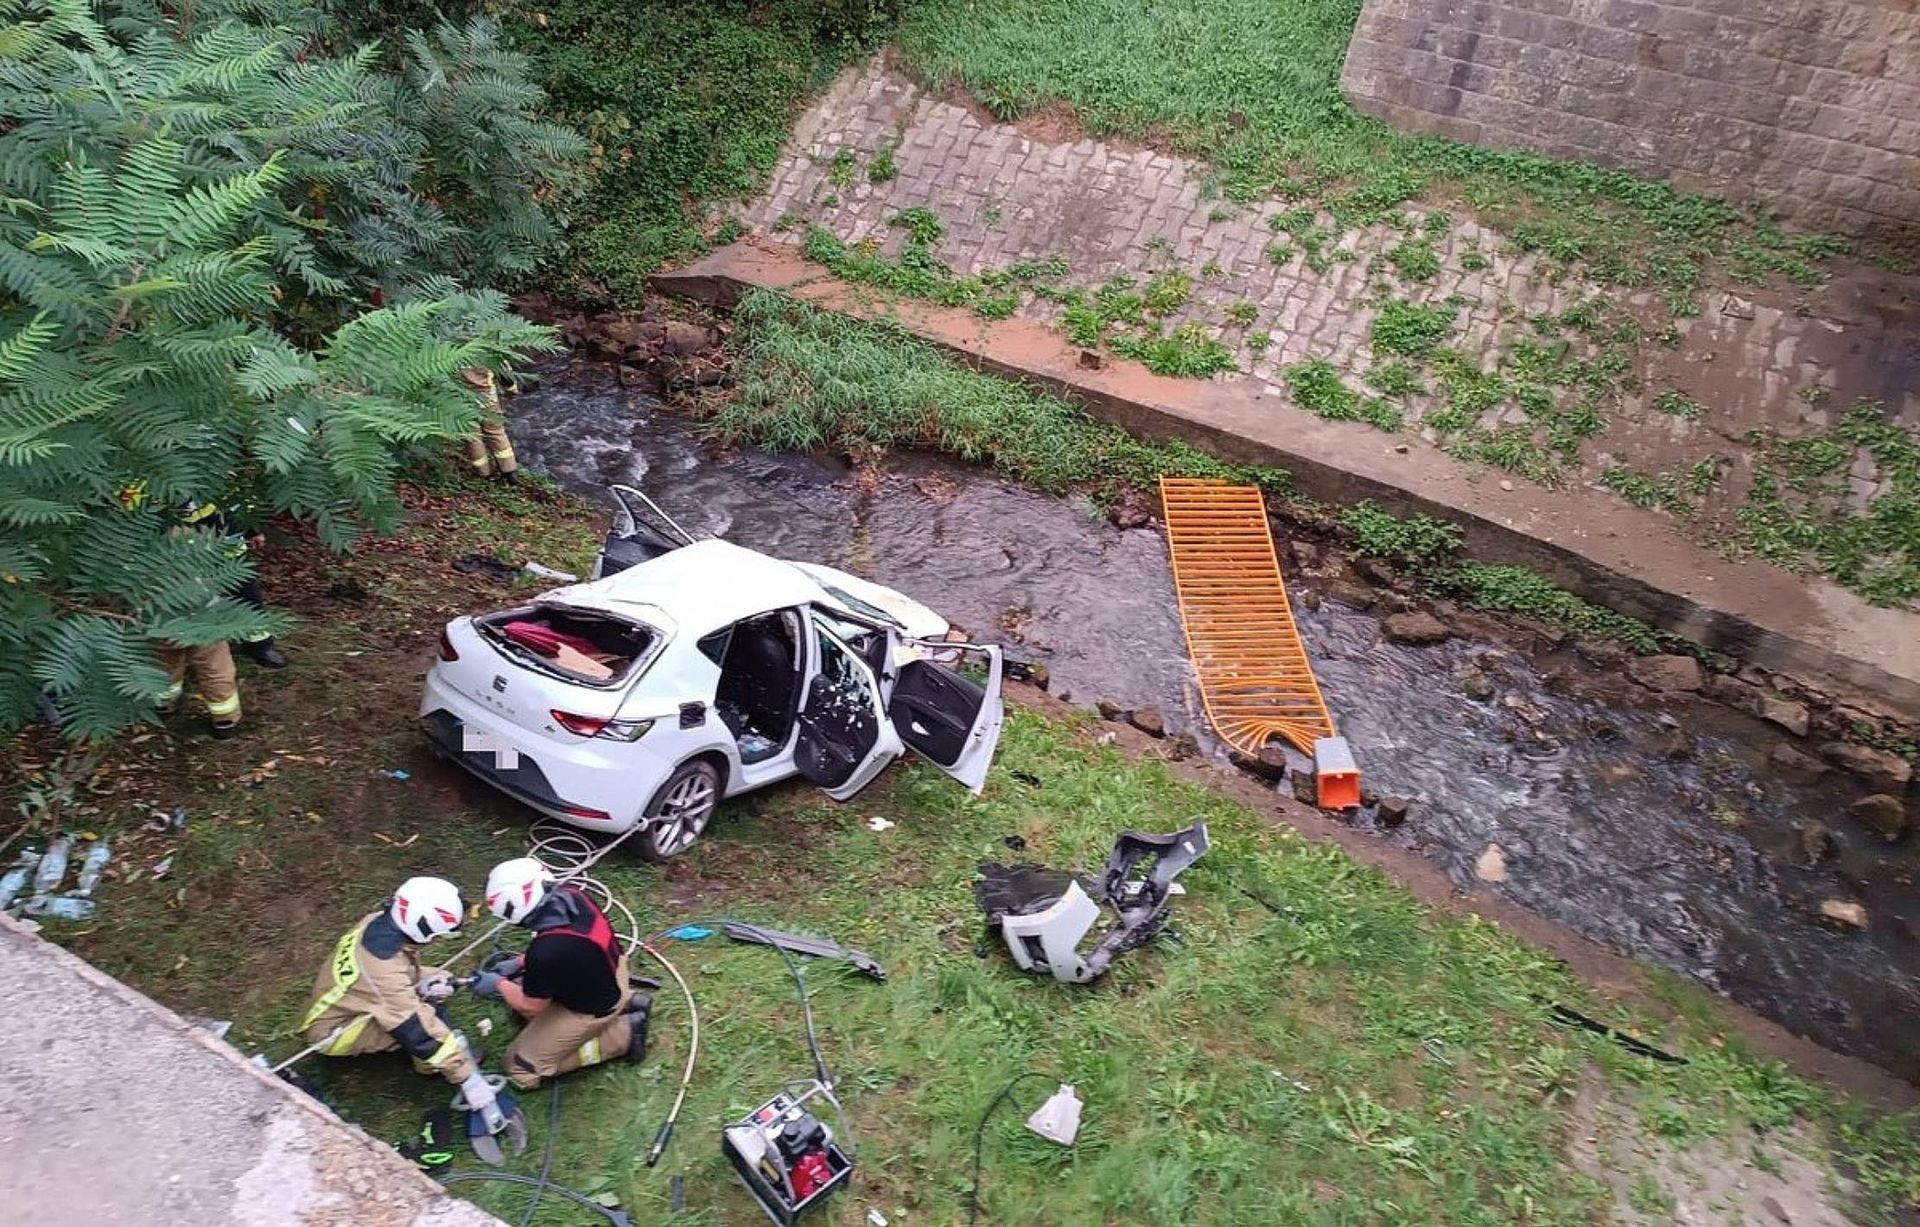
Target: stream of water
(1691, 864)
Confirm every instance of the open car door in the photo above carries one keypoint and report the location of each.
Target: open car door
(946, 706)
(844, 737)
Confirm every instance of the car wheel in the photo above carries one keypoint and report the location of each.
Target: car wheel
(679, 811)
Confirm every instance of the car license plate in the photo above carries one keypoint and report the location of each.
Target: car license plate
(506, 755)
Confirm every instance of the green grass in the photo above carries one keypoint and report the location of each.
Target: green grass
(1799, 511)
(923, 225)
(1679, 405)
(685, 104)
(1253, 85)
(1354, 1052)
(1414, 260)
(1167, 293)
(1647, 490)
(810, 379)
(1317, 387)
(1412, 330)
(1431, 550)
(1396, 377)
(1188, 352)
(1354, 1058)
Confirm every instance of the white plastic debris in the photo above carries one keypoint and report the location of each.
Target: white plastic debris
(1058, 1119)
(877, 824)
(558, 577)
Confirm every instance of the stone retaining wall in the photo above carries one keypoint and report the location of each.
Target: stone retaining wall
(1812, 106)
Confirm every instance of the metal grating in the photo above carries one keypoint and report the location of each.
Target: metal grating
(1253, 670)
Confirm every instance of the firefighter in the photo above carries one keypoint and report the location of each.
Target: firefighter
(214, 680)
(489, 451)
(249, 591)
(571, 986)
(374, 996)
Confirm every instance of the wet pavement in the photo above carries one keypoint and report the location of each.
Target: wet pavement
(1694, 864)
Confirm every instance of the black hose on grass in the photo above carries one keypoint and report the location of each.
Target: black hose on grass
(619, 1218)
(979, 1142)
(546, 1159)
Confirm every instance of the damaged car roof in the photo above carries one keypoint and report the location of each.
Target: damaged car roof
(712, 583)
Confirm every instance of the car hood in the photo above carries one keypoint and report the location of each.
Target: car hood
(916, 619)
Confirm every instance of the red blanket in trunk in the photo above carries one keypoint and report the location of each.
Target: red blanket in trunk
(547, 641)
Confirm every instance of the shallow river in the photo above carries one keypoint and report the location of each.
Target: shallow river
(1690, 864)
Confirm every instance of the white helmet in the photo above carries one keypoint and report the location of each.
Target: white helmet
(516, 887)
(426, 908)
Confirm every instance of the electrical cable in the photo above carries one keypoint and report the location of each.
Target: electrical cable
(793, 966)
(576, 854)
(665, 1132)
(619, 1218)
(979, 1142)
(546, 1159)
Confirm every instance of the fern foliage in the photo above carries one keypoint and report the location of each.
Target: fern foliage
(197, 215)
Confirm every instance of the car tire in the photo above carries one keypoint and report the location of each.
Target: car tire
(679, 812)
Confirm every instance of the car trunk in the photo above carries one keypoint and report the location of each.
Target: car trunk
(582, 647)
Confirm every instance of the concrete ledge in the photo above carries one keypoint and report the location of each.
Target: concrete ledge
(116, 1111)
(1588, 541)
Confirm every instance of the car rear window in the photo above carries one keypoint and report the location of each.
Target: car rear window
(580, 646)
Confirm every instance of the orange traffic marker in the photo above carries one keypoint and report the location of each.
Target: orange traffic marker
(1254, 675)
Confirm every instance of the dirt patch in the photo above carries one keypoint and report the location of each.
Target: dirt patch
(959, 95)
(1710, 1184)
(1055, 123)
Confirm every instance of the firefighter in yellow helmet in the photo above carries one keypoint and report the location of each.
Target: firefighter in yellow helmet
(373, 995)
(489, 450)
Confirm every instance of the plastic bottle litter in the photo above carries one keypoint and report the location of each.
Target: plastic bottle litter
(61, 907)
(92, 867)
(53, 866)
(15, 881)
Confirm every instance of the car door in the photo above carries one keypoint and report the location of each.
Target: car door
(946, 705)
(843, 738)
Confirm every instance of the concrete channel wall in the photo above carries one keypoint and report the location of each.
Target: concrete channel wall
(117, 1112)
(1812, 106)
(1586, 540)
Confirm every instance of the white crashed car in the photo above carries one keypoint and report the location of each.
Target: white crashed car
(696, 671)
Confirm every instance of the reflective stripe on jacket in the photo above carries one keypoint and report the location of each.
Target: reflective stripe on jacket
(369, 981)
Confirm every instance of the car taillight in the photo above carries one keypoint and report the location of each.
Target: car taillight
(599, 726)
(579, 726)
(446, 647)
